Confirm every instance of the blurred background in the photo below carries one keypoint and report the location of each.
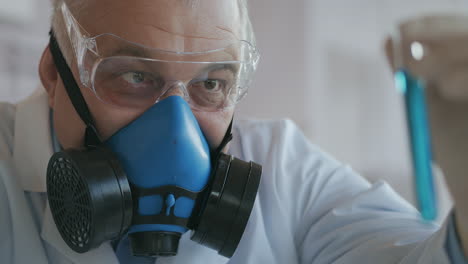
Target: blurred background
(323, 66)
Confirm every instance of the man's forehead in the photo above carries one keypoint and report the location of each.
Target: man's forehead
(179, 25)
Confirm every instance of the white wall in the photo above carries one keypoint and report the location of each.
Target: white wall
(22, 39)
(322, 65)
(280, 83)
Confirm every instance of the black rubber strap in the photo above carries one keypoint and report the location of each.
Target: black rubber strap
(227, 138)
(74, 92)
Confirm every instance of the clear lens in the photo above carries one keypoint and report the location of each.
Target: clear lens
(132, 82)
(126, 83)
(133, 76)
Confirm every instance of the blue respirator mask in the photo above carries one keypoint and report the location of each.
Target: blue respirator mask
(154, 180)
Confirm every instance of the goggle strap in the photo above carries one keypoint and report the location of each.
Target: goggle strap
(74, 93)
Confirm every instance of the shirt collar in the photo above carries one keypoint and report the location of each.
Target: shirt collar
(32, 141)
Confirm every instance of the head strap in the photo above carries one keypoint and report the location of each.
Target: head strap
(227, 138)
(74, 93)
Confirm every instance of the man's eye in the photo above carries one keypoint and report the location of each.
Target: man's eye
(134, 77)
(212, 85)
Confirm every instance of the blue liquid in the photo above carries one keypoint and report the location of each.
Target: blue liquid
(419, 133)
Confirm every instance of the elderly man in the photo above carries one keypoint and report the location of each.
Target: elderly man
(137, 104)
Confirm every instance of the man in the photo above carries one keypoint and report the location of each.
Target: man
(309, 208)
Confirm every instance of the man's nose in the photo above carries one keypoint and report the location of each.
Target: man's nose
(177, 88)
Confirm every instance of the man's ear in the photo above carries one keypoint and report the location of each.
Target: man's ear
(48, 74)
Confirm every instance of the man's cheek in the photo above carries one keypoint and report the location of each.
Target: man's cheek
(67, 124)
(214, 126)
(108, 119)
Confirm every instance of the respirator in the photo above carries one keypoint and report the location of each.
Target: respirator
(154, 179)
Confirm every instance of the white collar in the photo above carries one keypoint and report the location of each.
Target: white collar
(32, 141)
(31, 154)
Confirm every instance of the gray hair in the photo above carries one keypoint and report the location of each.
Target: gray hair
(77, 7)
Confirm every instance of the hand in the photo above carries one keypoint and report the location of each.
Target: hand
(440, 58)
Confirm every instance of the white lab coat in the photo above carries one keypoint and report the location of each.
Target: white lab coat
(309, 209)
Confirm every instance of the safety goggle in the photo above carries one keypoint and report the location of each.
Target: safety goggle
(130, 75)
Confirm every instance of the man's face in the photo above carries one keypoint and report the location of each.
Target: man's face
(163, 24)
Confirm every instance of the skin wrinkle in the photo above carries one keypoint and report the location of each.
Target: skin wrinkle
(229, 31)
(138, 20)
(185, 36)
(99, 17)
(178, 34)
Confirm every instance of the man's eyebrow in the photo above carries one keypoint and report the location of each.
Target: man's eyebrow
(130, 51)
(221, 66)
